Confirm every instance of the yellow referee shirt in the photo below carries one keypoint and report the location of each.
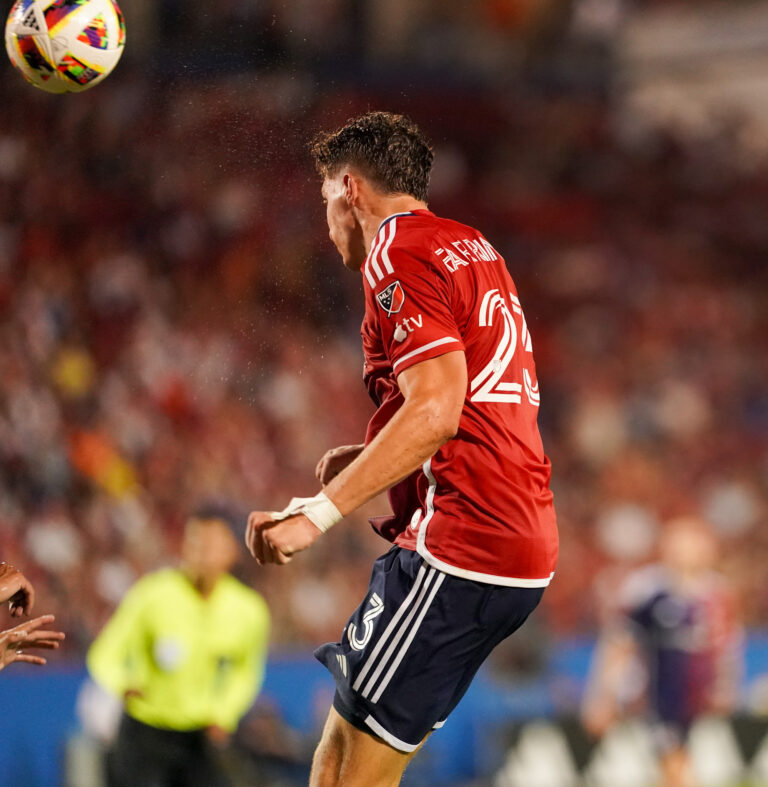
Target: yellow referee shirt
(196, 661)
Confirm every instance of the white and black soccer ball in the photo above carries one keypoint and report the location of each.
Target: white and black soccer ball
(65, 45)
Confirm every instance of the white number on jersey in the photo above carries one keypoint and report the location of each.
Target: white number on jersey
(488, 385)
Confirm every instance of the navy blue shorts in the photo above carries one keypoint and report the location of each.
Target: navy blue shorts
(411, 649)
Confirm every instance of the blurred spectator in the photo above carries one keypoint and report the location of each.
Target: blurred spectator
(185, 651)
(672, 647)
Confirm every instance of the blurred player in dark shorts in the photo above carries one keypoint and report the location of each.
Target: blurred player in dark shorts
(677, 627)
(449, 365)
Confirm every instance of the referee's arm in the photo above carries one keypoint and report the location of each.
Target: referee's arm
(246, 674)
(113, 658)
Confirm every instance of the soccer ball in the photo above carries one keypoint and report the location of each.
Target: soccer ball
(65, 45)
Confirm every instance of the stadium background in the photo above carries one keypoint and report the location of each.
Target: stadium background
(176, 326)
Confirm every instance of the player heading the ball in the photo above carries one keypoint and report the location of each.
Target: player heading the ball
(449, 366)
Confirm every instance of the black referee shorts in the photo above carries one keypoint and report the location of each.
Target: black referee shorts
(145, 756)
(411, 649)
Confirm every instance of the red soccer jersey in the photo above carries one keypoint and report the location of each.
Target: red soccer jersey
(481, 507)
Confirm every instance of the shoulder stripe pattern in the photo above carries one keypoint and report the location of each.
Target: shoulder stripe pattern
(371, 261)
(379, 254)
(385, 248)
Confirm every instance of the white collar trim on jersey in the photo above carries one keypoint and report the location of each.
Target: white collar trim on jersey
(393, 216)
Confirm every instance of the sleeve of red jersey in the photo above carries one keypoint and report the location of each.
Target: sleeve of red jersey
(413, 302)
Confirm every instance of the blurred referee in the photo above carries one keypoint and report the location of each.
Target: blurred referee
(186, 651)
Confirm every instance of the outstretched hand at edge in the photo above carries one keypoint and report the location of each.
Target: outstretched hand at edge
(30, 634)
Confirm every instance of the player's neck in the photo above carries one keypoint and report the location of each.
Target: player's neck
(370, 219)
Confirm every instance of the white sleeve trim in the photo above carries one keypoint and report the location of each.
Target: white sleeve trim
(424, 348)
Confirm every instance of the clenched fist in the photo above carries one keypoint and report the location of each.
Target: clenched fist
(276, 541)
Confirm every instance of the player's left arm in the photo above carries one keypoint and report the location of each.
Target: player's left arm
(434, 392)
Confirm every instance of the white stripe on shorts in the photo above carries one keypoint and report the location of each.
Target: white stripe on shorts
(396, 663)
(403, 629)
(390, 628)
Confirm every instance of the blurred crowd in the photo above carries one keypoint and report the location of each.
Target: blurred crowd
(177, 328)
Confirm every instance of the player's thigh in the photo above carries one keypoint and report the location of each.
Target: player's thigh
(353, 758)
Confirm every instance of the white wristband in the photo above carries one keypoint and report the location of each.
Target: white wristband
(319, 510)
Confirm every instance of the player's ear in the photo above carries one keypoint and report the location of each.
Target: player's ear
(351, 188)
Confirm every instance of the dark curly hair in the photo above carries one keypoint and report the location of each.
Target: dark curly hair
(388, 149)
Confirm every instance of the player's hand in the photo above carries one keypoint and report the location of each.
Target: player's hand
(271, 541)
(27, 635)
(335, 460)
(17, 589)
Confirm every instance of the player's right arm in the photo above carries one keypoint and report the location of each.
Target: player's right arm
(433, 393)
